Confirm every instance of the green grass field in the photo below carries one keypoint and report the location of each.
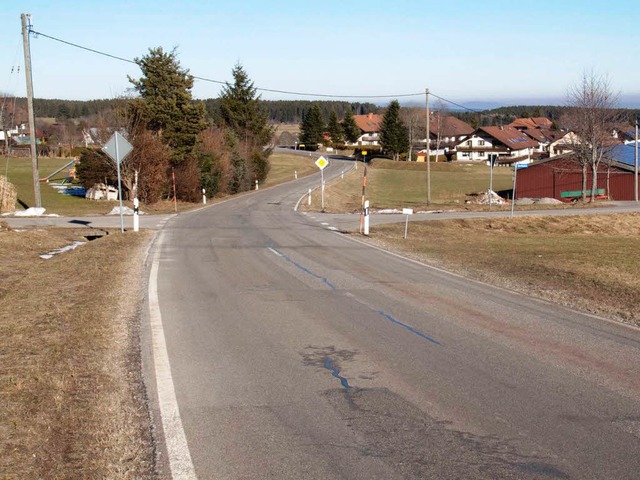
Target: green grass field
(404, 185)
(19, 172)
(284, 166)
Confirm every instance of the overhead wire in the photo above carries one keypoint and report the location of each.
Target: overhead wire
(261, 89)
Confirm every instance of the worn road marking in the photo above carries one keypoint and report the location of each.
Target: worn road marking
(303, 268)
(176, 441)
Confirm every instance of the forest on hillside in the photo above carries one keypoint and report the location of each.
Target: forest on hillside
(278, 111)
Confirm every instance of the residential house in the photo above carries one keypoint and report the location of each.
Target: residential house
(532, 122)
(561, 143)
(445, 132)
(508, 144)
(370, 126)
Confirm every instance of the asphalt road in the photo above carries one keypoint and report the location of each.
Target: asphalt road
(296, 352)
(300, 353)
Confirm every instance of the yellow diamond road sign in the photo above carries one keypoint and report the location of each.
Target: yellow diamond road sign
(321, 163)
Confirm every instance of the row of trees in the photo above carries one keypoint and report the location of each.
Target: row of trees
(314, 131)
(394, 134)
(172, 137)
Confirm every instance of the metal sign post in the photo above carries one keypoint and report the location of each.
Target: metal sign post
(407, 212)
(515, 177)
(321, 163)
(117, 148)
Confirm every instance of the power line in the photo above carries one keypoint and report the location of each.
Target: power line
(81, 47)
(456, 104)
(261, 89)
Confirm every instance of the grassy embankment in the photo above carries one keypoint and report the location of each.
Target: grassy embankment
(73, 404)
(404, 185)
(583, 261)
(283, 168)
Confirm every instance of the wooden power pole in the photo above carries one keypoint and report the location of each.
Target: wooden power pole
(32, 121)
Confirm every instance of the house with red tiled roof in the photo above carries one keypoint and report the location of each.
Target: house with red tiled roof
(370, 126)
(532, 122)
(508, 144)
(447, 131)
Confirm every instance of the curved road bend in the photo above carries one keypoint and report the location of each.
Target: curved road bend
(298, 353)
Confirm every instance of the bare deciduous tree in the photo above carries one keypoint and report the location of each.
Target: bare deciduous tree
(439, 122)
(413, 118)
(592, 116)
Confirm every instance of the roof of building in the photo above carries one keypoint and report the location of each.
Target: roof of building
(510, 136)
(369, 123)
(451, 126)
(533, 122)
(624, 153)
(537, 134)
(621, 162)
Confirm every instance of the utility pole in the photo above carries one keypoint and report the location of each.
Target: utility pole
(32, 121)
(636, 163)
(428, 158)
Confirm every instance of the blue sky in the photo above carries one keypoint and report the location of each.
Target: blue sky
(490, 50)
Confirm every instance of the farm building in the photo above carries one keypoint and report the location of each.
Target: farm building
(561, 178)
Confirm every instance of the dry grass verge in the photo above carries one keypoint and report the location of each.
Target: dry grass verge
(73, 405)
(588, 262)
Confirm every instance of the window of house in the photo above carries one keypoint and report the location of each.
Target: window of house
(481, 143)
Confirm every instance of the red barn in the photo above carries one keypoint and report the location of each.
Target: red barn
(561, 178)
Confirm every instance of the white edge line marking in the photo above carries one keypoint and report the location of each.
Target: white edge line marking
(176, 441)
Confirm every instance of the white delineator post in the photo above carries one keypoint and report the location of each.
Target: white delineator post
(257, 184)
(136, 216)
(295, 174)
(204, 196)
(309, 202)
(366, 217)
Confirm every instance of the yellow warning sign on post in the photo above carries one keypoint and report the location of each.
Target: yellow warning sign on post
(321, 163)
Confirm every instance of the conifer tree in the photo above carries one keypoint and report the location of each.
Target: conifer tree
(241, 113)
(241, 110)
(166, 105)
(394, 136)
(334, 129)
(312, 127)
(349, 127)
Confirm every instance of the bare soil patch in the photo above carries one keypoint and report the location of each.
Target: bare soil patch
(588, 262)
(73, 404)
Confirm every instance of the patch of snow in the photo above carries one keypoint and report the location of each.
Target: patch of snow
(57, 251)
(389, 211)
(549, 201)
(483, 198)
(125, 211)
(30, 212)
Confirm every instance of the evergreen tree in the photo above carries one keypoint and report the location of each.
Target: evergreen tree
(334, 129)
(241, 113)
(394, 136)
(349, 127)
(166, 105)
(241, 110)
(312, 127)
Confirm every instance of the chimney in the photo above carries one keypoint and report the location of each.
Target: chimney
(370, 115)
